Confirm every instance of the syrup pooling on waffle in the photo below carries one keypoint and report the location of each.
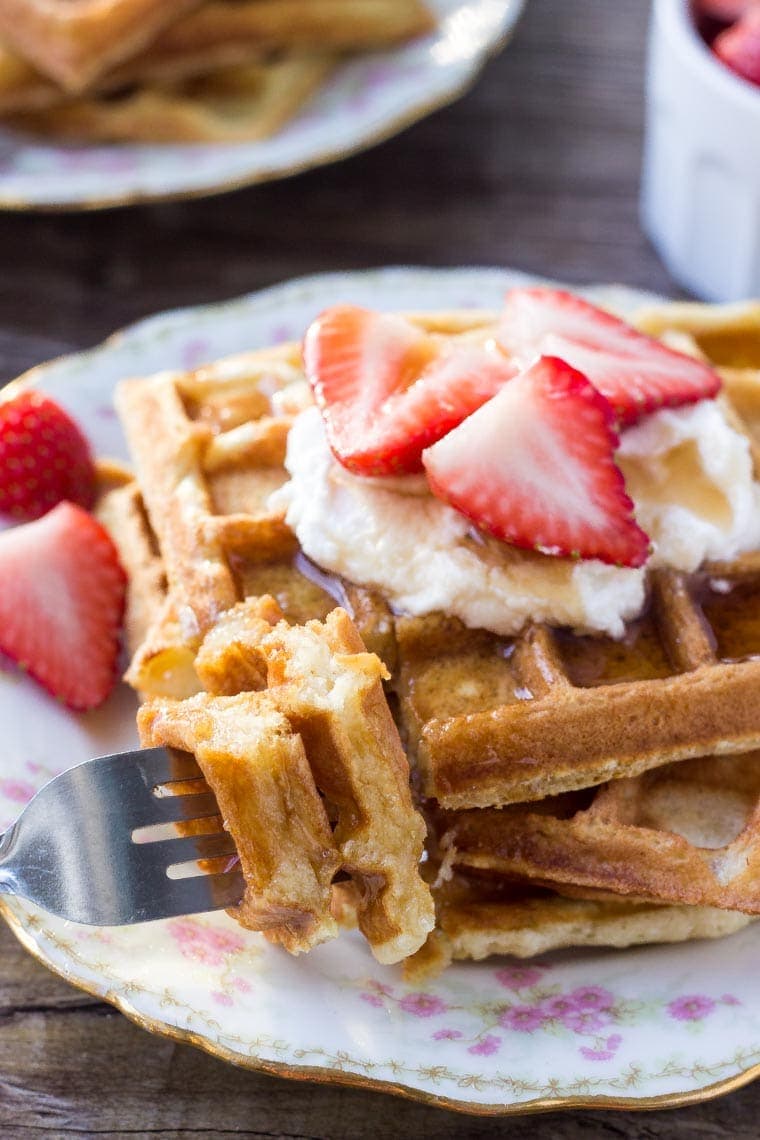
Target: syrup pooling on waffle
(550, 711)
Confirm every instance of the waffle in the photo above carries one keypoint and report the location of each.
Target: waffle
(682, 833)
(293, 713)
(478, 918)
(209, 450)
(74, 41)
(121, 511)
(258, 769)
(221, 34)
(474, 705)
(493, 721)
(226, 34)
(234, 104)
(487, 720)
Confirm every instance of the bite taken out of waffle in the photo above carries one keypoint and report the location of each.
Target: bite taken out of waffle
(537, 749)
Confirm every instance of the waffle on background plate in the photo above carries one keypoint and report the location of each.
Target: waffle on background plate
(577, 790)
(181, 70)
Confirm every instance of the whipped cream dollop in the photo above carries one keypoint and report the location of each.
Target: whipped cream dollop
(688, 471)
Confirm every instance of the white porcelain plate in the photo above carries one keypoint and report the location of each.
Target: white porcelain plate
(368, 99)
(637, 1027)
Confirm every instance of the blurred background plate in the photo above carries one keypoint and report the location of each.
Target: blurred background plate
(370, 98)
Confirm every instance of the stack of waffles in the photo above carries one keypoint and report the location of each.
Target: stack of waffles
(181, 70)
(576, 790)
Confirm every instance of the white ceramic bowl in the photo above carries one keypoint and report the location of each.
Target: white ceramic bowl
(701, 179)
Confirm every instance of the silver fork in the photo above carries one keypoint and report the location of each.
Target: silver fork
(74, 850)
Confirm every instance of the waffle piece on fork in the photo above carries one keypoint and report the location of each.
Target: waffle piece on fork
(308, 716)
(257, 768)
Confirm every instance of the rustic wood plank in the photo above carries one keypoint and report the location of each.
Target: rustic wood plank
(77, 1068)
(536, 168)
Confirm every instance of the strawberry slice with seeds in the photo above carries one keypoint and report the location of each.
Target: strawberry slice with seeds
(739, 46)
(535, 467)
(61, 604)
(636, 373)
(387, 390)
(44, 458)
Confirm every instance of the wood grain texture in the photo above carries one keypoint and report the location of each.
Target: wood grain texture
(536, 168)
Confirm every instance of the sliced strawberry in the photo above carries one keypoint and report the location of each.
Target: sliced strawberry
(535, 467)
(386, 390)
(739, 46)
(636, 373)
(44, 458)
(61, 604)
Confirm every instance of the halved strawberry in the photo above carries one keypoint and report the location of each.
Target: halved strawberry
(739, 46)
(61, 604)
(386, 390)
(636, 373)
(535, 467)
(44, 458)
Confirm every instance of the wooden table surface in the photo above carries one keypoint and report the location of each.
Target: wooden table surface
(537, 168)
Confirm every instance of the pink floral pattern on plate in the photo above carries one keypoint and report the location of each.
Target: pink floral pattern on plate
(588, 1013)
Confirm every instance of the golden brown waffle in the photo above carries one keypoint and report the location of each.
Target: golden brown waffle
(487, 719)
(209, 448)
(234, 104)
(495, 721)
(682, 833)
(74, 41)
(476, 919)
(227, 33)
(317, 693)
(121, 512)
(256, 766)
(336, 25)
(728, 335)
